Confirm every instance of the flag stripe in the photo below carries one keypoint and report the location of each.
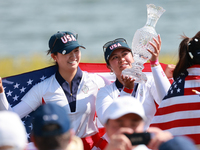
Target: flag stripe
(195, 66)
(195, 137)
(192, 131)
(188, 91)
(94, 67)
(179, 100)
(102, 67)
(178, 123)
(192, 84)
(192, 78)
(178, 107)
(176, 115)
(185, 130)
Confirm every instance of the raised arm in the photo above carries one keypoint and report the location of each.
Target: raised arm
(160, 79)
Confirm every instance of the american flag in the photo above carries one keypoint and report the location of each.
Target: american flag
(179, 112)
(17, 86)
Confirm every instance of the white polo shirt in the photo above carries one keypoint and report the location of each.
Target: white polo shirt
(83, 120)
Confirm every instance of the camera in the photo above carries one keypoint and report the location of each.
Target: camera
(139, 138)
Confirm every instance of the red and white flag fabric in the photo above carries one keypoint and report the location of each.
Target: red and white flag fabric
(179, 111)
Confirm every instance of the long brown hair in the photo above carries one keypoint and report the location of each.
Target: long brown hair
(186, 46)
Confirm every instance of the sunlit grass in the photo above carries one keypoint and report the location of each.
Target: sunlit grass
(12, 66)
(168, 58)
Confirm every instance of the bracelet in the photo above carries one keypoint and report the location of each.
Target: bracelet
(154, 62)
(127, 90)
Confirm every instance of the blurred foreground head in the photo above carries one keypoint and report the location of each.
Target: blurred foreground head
(12, 132)
(125, 111)
(52, 129)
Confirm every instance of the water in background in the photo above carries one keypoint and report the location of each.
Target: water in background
(26, 25)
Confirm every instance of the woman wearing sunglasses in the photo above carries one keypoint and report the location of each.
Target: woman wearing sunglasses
(118, 57)
(68, 87)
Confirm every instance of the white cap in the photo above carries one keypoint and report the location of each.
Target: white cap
(12, 131)
(124, 105)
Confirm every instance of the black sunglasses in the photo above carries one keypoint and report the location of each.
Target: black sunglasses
(113, 41)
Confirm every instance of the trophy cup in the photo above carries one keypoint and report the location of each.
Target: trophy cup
(140, 44)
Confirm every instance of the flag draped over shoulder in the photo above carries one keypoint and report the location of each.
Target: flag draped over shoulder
(17, 86)
(179, 112)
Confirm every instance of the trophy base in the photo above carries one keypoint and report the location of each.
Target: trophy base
(136, 74)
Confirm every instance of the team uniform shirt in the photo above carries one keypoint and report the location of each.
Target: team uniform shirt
(146, 93)
(80, 102)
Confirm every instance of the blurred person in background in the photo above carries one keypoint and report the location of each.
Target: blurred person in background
(12, 132)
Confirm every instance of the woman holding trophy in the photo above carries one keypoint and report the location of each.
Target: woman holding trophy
(119, 57)
(127, 65)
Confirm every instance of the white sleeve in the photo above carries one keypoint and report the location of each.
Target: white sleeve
(103, 101)
(105, 97)
(161, 81)
(22, 109)
(33, 98)
(4, 105)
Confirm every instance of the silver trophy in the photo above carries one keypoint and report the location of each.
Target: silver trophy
(140, 44)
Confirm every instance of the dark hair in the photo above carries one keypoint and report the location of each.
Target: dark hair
(52, 142)
(49, 52)
(187, 45)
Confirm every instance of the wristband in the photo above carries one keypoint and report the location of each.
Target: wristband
(127, 90)
(154, 62)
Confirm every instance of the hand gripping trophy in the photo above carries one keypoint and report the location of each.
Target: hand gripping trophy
(140, 44)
